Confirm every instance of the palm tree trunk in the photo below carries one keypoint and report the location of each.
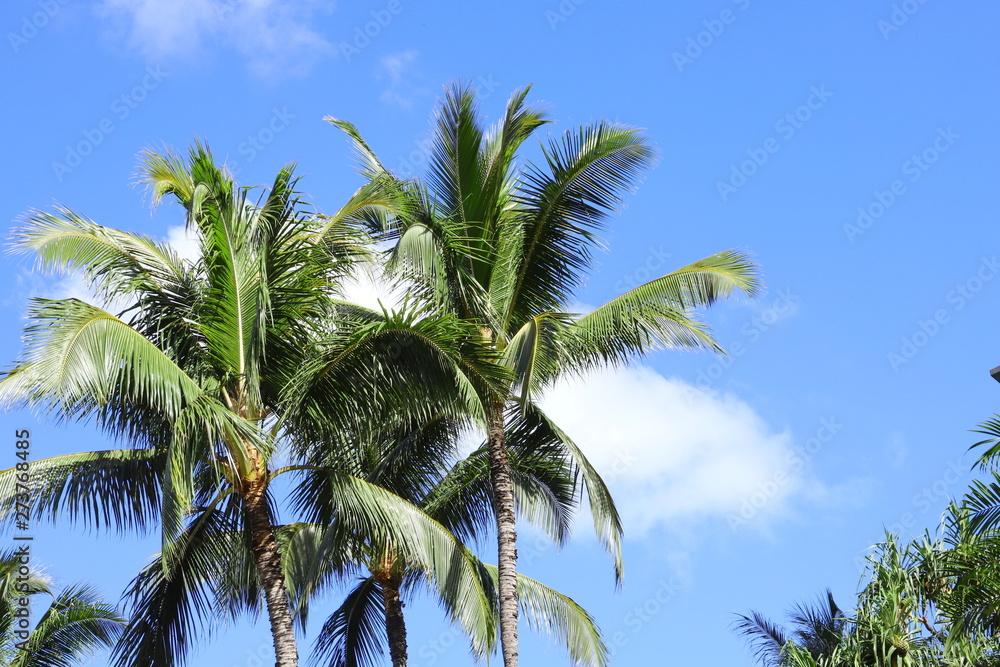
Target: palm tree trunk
(395, 627)
(503, 508)
(265, 552)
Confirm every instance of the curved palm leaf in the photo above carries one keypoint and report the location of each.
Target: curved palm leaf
(379, 520)
(117, 489)
(559, 616)
(74, 625)
(352, 635)
(531, 429)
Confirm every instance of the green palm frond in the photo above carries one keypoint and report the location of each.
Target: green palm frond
(982, 501)
(545, 492)
(172, 597)
(767, 639)
(115, 263)
(462, 500)
(422, 366)
(384, 521)
(76, 624)
(992, 444)
(368, 162)
(563, 208)
(560, 617)
(117, 490)
(534, 353)
(531, 429)
(352, 635)
(659, 314)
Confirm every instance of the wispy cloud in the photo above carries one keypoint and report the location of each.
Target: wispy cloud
(398, 69)
(275, 36)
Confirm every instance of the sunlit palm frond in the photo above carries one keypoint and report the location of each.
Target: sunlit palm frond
(383, 521)
(561, 618)
(659, 314)
(565, 205)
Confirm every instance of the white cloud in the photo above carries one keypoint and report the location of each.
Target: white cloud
(186, 243)
(671, 453)
(275, 36)
(397, 68)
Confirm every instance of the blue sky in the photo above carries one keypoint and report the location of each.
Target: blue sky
(850, 147)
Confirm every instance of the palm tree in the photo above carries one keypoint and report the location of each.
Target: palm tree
(191, 375)
(818, 629)
(903, 618)
(502, 244)
(75, 623)
(412, 462)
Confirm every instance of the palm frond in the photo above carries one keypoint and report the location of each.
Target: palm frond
(563, 208)
(530, 428)
(766, 638)
(171, 599)
(659, 314)
(117, 490)
(76, 624)
(353, 635)
(382, 521)
(560, 617)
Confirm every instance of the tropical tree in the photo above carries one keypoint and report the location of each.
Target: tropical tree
(415, 463)
(902, 618)
(191, 373)
(75, 624)
(818, 629)
(502, 243)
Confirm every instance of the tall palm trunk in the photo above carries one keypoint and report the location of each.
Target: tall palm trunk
(503, 508)
(395, 626)
(265, 553)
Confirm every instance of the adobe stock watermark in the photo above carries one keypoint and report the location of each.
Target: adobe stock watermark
(259, 657)
(648, 270)
(783, 304)
(957, 298)
(795, 461)
(31, 25)
(121, 108)
(364, 34)
(899, 17)
(704, 39)
(786, 127)
(642, 614)
(223, 8)
(433, 649)
(561, 13)
(937, 493)
(256, 142)
(411, 163)
(913, 168)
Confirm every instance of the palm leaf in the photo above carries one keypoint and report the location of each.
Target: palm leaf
(531, 429)
(658, 314)
(76, 624)
(383, 521)
(558, 616)
(564, 206)
(352, 635)
(118, 489)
